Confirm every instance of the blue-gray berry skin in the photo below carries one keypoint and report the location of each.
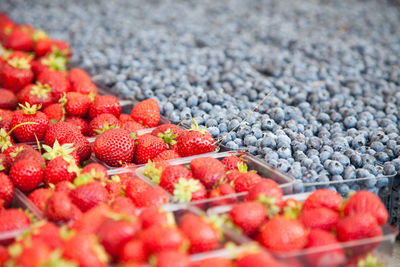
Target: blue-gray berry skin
(335, 167)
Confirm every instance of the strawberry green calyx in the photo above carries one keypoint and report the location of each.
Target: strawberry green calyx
(40, 90)
(105, 127)
(246, 249)
(195, 127)
(39, 35)
(270, 204)
(66, 233)
(2, 168)
(5, 139)
(8, 30)
(99, 251)
(15, 250)
(30, 110)
(56, 260)
(169, 137)
(217, 222)
(184, 189)
(19, 63)
(370, 261)
(152, 172)
(292, 209)
(55, 62)
(82, 179)
(120, 217)
(58, 150)
(5, 54)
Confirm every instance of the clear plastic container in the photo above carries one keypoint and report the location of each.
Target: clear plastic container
(284, 180)
(20, 201)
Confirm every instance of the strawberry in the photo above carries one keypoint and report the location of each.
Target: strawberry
(47, 232)
(77, 104)
(124, 206)
(246, 181)
(205, 238)
(195, 141)
(171, 174)
(131, 126)
(134, 187)
(47, 46)
(36, 94)
(260, 258)
(4, 255)
(59, 169)
(15, 74)
(221, 191)
(156, 239)
(232, 175)
(280, 234)
(86, 250)
(364, 201)
(197, 164)
(89, 195)
(114, 189)
(216, 262)
(133, 251)
(59, 207)
(104, 104)
(29, 132)
(80, 123)
(167, 128)
(96, 170)
(172, 258)
(146, 112)
(166, 155)
(19, 39)
(323, 198)
(29, 154)
(8, 100)
(13, 151)
(335, 256)
(56, 80)
(114, 234)
(153, 216)
(91, 220)
(34, 254)
(55, 112)
(40, 196)
(126, 117)
(26, 175)
(13, 219)
(5, 164)
(114, 147)
(231, 162)
(5, 120)
(268, 193)
(102, 123)
(50, 62)
(147, 147)
(291, 208)
(186, 190)
(151, 196)
(19, 55)
(81, 144)
(76, 76)
(6, 190)
(249, 216)
(319, 218)
(60, 131)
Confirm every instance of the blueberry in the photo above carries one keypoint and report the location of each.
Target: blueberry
(232, 145)
(358, 141)
(214, 131)
(343, 190)
(298, 187)
(349, 173)
(350, 122)
(250, 140)
(283, 165)
(284, 152)
(334, 167)
(382, 156)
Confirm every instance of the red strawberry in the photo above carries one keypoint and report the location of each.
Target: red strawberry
(19, 39)
(4, 255)
(80, 82)
(323, 198)
(249, 216)
(80, 123)
(131, 126)
(364, 201)
(47, 46)
(335, 256)
(26, 175)
(146, 112)
(114, 234)
(13, 151)
(29, 154)
(268, 193)
(15, 74)
(125, 117)
(96, 171)
(60, 131)
(34, 254)
(59, 207)
(65, 187)
(91, 220)
(283, 235)
(19, 54)
(59, 169)
(164, 128)
(232, 175)
(104, 104)
(216, 262)
(36, 94)
(151, 196)
(89, 195)
(77, 104)
(171, 174)
(86, 250)
(186, 190)
(195, 141)
(81, 144)
(156, 239)
(153, 216)
(319, 218)
(172, 258)
(205, 238)
(246, 181)
(50, 62)
(133, 251)
(102, 123)
(221, 191)
(197, 164)
(258, 259)
(55, 112)
(231, 162)
(8, 100)
(56, 81)
(5, 164)
(13, 219)
(40, 196)
(291, 208)
(27, 133)
(148, 146)
(5, 120)
(114, 189)
(6, 190)
(114, 147)
(134, 187)
(166, 155)
(124, 206)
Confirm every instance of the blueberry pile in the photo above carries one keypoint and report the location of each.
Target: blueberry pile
(332, 68)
